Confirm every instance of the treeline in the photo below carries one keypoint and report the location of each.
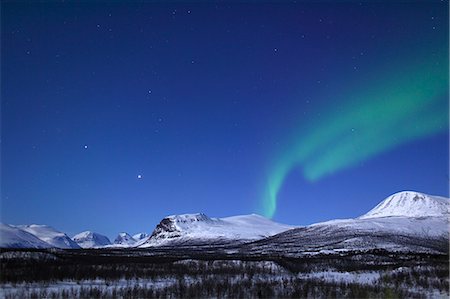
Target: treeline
(221, 276)
(17, 271)
(61, 265)
(213, 287)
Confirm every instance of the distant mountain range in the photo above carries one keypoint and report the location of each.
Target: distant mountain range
(410, 221)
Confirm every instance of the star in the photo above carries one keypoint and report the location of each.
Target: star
(139, 176)
(85, 146)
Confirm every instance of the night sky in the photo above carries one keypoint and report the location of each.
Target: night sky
(115, 115)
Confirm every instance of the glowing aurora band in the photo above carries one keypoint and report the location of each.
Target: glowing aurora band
(407, 105)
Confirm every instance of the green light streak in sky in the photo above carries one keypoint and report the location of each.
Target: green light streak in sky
(409, 104)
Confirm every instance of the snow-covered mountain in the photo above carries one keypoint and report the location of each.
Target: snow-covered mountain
(405, 221)
(407, 212)
(49, 235)
(140, 236)
(194, 228)
(124, 239)
(410, 204)
(90, 239)
(14, 237)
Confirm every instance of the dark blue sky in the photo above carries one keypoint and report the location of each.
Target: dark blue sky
(196, 99)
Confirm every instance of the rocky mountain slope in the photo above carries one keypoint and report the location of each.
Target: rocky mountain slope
(199, 228)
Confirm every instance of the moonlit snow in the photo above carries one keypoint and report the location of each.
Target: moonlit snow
(405, 213)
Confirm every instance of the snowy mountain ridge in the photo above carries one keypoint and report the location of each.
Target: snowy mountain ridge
(140, 236)
(50, 235)
(199, 227)
(13, 237)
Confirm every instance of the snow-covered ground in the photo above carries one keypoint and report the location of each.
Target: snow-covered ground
(362, 277)
(74, 287)
(279, 282)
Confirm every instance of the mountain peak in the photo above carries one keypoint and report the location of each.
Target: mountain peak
(140, 236)
(410, 204)
(89, 239)
(124, 239)
(188, 218)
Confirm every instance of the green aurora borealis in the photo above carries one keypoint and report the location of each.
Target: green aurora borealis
(403, 104)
